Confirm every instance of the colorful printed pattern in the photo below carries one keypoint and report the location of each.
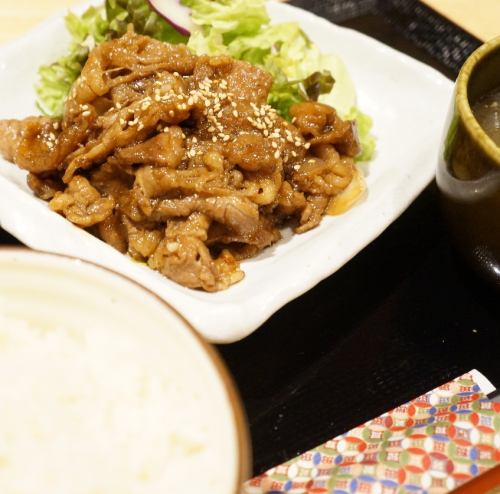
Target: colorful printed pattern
(431, 445)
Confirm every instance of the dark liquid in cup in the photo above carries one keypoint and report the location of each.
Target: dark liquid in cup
(487, 113)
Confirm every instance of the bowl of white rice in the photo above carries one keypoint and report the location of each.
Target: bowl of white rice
(105, 389)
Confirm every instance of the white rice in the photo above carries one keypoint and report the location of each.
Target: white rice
(85, 412)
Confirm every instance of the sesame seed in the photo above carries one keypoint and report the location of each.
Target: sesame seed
(296, 167)
(118, 106)
(235, 113)
(214, 139)
(172, 246)
(226, 138)
(86, 113)
(194, 139)
(190, 101)
(211, 128)
(122, 122)
(307, 145)
(274, 145)
(294, 154)
(277, 154)
(140, 126)
(171, 113)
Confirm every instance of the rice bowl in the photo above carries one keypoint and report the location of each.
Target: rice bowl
(104, 388)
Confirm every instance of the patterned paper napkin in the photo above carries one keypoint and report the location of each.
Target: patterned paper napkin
(430, 445)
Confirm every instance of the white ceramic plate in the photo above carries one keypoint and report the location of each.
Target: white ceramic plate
(408, 102)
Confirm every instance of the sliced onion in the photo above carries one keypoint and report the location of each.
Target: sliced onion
(176, 14)
(346, 199)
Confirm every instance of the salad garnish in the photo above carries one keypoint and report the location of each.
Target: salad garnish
(237, 28)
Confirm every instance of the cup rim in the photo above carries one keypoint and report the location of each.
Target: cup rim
(485, 142)
(244, 449)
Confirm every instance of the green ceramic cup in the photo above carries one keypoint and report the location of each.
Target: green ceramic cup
(468, 174)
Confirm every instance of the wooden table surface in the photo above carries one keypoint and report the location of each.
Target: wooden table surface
(479, 17)
(18, 16)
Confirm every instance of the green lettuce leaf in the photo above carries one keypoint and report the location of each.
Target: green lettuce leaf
(121, 13)
(94, 26)
(55, 80)
(364, 125)
(231, 18)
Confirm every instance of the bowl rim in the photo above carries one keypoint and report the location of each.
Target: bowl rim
(462, 101)
(244, 450)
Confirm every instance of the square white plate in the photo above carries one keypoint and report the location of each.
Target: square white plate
(408, 102)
